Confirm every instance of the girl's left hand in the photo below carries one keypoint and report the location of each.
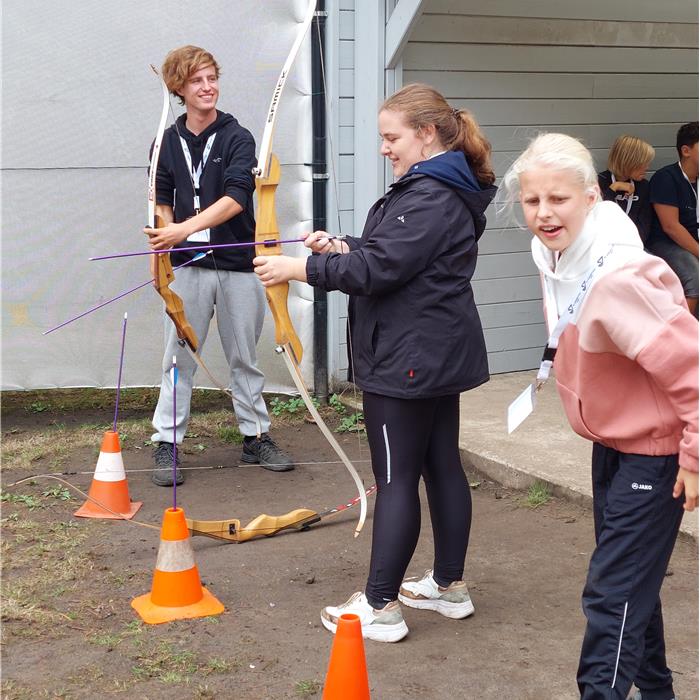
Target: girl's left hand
(687, 482)
(278, 269)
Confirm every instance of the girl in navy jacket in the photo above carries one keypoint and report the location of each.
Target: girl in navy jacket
(417, 343)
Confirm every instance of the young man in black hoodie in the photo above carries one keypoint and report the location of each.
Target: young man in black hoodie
(204, 194)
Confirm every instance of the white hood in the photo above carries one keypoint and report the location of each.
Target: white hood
(606, 225)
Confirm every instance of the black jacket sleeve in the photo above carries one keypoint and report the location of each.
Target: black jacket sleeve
(411, 233)
(239, 181)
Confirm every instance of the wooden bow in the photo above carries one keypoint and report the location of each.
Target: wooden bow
(288, 344)
(164, 270)
(267, 525)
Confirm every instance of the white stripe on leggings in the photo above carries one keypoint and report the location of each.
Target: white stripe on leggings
(388, 455)
(619, 645)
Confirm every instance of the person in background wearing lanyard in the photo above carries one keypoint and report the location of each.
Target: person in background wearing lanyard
(417, 343)
(674, 196)
(623, 182)
(204, 192)
(627, 374)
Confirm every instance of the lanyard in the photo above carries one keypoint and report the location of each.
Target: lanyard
(629, 197)
(695, 192)
(570, 313)
(195, 175)
(524, 404)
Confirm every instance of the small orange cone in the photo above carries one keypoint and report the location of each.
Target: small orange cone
(176, 592)
(347, 670)
(109, 485)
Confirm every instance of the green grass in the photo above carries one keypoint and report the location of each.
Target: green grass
(307, 688)
(230, 435)
(291, 406)
(537, 495)
(354, 423)
(337, 405)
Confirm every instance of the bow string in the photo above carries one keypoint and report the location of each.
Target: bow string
(288, 344)
(164, 270)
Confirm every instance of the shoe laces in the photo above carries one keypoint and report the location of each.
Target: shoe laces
(355, 597)
(164, 455)
(266, 445)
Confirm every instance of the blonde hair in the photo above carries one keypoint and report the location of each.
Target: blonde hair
(180, 64)
(457, 129)
(557, 151)
(628, 154)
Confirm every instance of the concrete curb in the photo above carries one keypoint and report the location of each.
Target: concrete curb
(543, 449)
(514, 478)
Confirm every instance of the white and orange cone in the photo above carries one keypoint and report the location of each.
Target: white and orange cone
(176, 592)
(109, 488)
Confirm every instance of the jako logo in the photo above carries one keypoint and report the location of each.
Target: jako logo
(642, 487)
(401, 219)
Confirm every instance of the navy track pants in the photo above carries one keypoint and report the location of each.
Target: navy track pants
(636, 523)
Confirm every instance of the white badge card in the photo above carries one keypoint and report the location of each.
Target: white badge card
(521, 408)
(199, 236)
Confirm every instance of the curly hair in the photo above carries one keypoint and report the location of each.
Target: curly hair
(180, 64)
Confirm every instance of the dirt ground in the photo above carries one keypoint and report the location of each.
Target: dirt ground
(69, 630)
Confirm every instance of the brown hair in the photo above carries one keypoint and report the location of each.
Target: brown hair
(181, 63)
(456, 128)
(627, 154)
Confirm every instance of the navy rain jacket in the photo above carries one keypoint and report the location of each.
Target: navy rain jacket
(415, 329)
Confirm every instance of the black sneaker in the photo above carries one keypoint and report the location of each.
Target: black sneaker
(267, 454)
(162, 474)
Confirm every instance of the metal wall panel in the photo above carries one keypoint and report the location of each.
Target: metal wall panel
(593, 70)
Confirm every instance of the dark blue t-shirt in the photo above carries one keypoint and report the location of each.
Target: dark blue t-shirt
(669, 186)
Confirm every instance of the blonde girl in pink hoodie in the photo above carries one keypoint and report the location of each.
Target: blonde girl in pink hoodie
(626, 363)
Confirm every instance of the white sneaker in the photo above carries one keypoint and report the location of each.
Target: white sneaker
(385, 625)
(425, 594)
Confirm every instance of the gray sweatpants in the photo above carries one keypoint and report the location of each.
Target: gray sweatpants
(239, 300)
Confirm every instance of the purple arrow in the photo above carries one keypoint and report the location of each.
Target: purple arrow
(119, 296)
(267, 244)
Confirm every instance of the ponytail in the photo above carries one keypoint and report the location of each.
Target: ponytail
(476, 147)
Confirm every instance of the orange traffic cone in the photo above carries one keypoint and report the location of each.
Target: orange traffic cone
(109, 487)
(176, 592)
(347, 670)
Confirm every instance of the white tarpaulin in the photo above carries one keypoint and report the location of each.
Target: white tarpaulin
(80, 109)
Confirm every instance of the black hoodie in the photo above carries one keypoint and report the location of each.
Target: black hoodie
(415, 330)
(228, 171)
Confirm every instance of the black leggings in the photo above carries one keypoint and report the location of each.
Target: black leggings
(410, 438)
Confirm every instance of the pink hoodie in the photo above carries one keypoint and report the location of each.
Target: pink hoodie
(627, 367)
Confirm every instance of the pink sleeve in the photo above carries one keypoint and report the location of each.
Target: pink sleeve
(671, 358)
(647, 319)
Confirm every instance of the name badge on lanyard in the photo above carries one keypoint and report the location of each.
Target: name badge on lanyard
(524, 404)
(695, 192)
(196, 175)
